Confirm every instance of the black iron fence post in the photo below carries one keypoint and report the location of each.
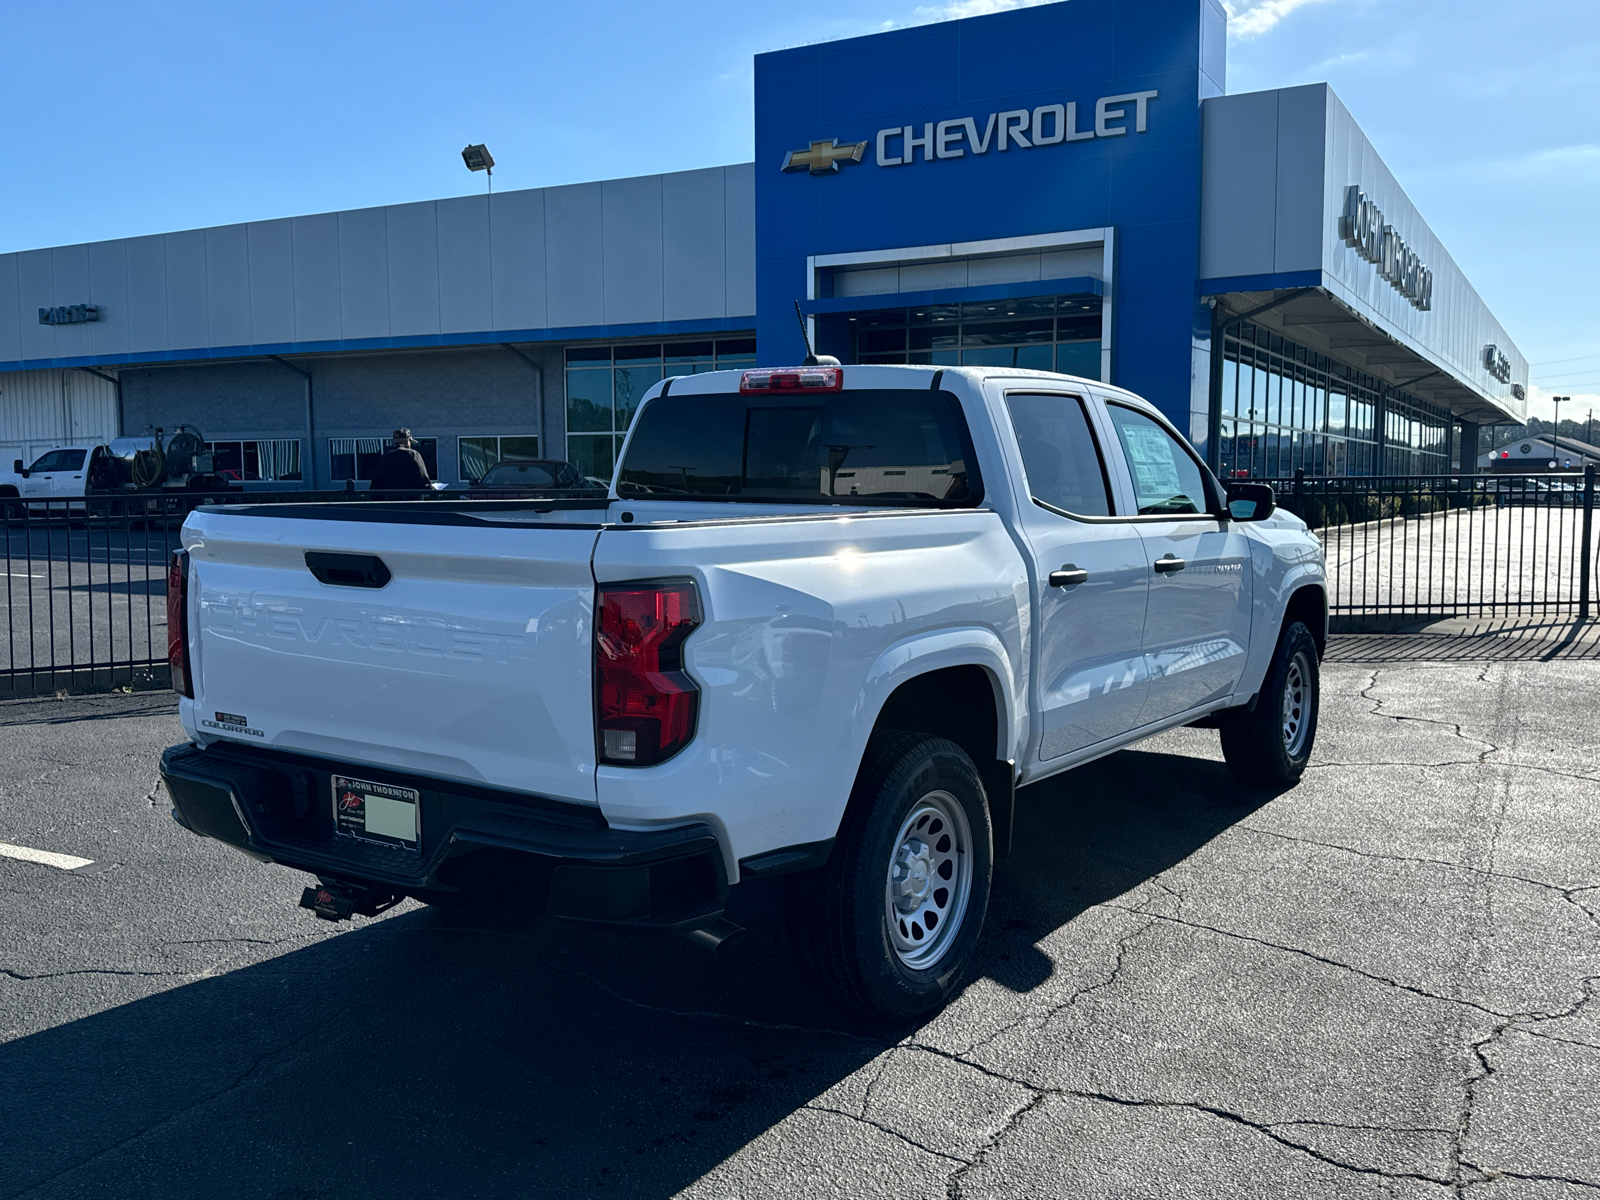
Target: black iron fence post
(1585, 554)
(1300, 493)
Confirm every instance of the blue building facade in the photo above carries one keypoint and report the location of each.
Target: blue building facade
(1078, 122)
(1066, 187)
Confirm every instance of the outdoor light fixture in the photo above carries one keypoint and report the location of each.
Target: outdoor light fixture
(478, 158)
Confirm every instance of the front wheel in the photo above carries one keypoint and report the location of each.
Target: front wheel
(1271, 746)
(892, 921)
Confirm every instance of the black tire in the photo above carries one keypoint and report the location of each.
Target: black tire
(1271, 746)
(840, 915)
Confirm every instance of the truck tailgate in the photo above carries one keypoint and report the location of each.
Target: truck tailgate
(472, 662)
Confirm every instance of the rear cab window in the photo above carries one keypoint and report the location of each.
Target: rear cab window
(1060, 455)
(871, 446)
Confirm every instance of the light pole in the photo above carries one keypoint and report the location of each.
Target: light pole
(1555, 429)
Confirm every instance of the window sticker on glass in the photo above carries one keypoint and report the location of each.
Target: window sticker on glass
(1150, 455)
(1166, 480)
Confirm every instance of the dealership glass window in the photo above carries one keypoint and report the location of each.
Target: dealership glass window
(1041, 333)
(354, 458)
(267, 459)
(606, 383)
(475, 455)
(1285, 408)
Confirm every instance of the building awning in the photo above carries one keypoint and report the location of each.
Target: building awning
(1301, 309)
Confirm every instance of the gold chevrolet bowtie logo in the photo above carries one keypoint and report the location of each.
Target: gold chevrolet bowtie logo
(823, 156)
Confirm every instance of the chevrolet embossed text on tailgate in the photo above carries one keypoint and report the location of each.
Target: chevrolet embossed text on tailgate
(471, 662)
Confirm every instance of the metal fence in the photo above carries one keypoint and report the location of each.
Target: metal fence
(1464, 545)
(86, 579)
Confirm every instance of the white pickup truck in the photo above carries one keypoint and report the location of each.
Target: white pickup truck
(826, 622)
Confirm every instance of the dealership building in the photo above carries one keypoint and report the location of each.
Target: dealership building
(1066, 187)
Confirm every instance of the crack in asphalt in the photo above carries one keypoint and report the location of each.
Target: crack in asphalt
(1078, 994)
(1491, 1174)
(1455, 726)
(883, 1069)
(248, 941)
(1040, 1094)
(1569, 893)
(952, 1185)
(1331, 962)
(1486, 1071)
(7, 971)
(892, 1132)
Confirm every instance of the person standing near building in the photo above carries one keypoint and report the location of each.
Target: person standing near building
(401, 468)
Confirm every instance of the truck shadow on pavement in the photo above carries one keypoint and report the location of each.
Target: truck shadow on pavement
(426, 1055)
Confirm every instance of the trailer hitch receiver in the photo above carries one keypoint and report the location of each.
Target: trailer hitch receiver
(341, 901)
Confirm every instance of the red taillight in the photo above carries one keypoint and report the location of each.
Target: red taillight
(646, 704)
(178, 623)
(791, 379)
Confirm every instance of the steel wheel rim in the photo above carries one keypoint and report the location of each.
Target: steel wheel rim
(929, 880)
(1296, 704)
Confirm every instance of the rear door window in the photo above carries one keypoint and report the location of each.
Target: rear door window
(873, 446)
(1166, 479)
(1060, 455)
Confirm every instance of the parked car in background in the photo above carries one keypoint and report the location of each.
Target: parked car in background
(823, 623)
(524, 475)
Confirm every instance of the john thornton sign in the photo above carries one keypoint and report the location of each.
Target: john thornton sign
(1362, 228)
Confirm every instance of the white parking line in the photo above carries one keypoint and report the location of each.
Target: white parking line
(66, 862)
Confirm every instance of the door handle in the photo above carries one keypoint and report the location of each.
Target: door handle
(1068, 576)
(1169, 564)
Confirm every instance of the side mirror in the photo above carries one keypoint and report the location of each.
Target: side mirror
(1251, 501)
(18, 469)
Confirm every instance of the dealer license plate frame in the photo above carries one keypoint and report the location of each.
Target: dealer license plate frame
(371, 811)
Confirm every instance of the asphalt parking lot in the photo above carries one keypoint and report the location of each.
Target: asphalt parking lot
(1375, 984)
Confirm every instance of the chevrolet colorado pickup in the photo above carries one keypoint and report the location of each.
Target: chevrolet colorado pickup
(824, 624)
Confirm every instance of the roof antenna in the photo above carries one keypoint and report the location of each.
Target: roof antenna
(812, 359)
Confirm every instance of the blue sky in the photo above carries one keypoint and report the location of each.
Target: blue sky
(139, 117)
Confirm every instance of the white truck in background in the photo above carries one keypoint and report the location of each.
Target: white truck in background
(825, 623)
(122, 466)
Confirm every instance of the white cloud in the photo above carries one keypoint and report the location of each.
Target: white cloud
(1584, 401)
(957, 9)
(1248, 20)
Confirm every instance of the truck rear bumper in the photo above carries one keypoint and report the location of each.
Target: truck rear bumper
(277, 807)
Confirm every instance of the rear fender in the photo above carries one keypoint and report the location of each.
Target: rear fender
(934, 651)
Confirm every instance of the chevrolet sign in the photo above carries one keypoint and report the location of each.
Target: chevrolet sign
(1020, 128)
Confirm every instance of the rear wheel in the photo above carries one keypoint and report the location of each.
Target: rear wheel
(1271, 746)
(891, 923)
